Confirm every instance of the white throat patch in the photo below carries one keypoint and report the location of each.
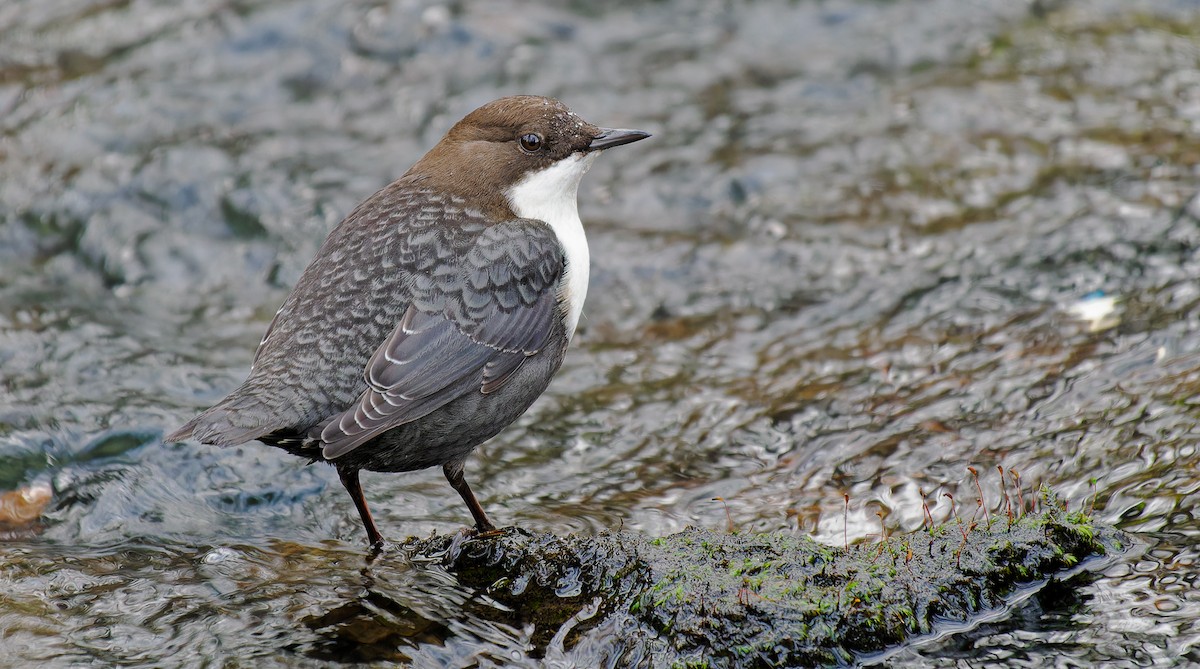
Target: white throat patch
(549, 195)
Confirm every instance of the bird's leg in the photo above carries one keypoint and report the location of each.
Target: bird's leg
(454, 474)
(350, 481)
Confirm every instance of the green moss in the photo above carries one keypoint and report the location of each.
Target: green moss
(750, 600)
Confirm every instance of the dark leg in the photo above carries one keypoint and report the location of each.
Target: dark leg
(350, 480)
(454, 474)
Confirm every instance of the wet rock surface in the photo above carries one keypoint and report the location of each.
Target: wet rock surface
(707, 598)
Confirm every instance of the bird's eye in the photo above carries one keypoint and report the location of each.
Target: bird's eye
(531, 142)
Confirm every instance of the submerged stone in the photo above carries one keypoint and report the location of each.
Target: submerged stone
(704, 598)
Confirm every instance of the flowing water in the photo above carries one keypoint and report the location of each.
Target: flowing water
(871, 244)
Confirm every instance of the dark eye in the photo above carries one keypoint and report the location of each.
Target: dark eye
(531, 142)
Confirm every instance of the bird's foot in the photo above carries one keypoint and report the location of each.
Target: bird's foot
(486, 533)
(375, 550)
(468, 534)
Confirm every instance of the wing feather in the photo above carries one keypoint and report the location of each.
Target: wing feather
(499, 309)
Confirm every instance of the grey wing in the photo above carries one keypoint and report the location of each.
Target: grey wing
(464, 332)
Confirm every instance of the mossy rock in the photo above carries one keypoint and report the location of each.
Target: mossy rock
(703, 598)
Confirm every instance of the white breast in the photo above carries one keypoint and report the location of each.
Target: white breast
(549, 195)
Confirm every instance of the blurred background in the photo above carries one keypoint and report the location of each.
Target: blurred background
(871, 244)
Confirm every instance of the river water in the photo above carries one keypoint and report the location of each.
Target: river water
(871, 244)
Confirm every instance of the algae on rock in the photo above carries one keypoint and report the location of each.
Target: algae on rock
(702, 598)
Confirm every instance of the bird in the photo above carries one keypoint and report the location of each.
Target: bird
(435, 313)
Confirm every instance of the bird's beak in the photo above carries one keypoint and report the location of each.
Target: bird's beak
(610, 137)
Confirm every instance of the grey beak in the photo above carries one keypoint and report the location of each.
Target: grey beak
(610, 137)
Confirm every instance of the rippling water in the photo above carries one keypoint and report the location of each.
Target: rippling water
(871, 244)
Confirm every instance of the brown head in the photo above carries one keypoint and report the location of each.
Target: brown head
(504, 142)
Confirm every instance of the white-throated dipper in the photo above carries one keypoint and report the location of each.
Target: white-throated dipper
(436, 312)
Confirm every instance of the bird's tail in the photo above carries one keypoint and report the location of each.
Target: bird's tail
(234, 420)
